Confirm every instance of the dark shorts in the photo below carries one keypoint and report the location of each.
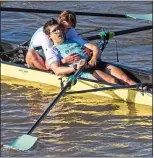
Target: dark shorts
(100, 65)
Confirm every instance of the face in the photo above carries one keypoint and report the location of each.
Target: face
(67, 25)
(56, 34)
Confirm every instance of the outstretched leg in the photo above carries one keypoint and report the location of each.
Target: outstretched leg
(118, 73)
(100, 75)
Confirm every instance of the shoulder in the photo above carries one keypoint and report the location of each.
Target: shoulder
(72, 30)
(71, 33)
(40, 37)
(39, 33)
(52, 53)
(39, 30)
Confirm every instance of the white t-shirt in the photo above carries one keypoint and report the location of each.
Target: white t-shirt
(40, 39)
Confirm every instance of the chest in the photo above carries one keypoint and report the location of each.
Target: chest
(68, 48)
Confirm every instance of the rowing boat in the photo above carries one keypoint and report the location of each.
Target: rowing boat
(13, 65)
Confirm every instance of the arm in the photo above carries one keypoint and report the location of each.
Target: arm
(71, 58)
(61, 70)
(72, 34)
(96, 53)
(54, 63)
(51, 52)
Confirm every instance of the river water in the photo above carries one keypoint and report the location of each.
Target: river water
(78, 125)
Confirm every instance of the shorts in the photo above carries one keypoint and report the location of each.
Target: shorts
(87, 75)
(100, 65)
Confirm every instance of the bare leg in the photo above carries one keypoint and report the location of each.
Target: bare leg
(34, 60)
(105, 77)
(118, 73)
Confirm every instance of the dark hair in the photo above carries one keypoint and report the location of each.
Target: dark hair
(68, 16)
(47, 25)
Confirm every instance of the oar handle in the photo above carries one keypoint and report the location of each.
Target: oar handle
(55, 100)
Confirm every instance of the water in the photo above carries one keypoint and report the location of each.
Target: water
(78, 125)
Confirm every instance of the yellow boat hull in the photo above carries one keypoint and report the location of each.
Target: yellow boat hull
(27, 74)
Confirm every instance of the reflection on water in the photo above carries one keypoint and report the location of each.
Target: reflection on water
(77, 125)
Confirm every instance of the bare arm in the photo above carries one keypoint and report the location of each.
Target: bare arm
(71, 58)
(64, 70)
(96, 53)
(61, 70)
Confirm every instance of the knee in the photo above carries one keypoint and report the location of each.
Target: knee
(31, 55)
(126, 79)
(113, 80)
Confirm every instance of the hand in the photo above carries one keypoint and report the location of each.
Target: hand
(87, 52)
(81, 64)
(71, 58)
(92, 62)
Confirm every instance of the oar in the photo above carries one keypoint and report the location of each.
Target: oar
(139, 16)
(92, 30)
(110, 34)
(26, 141)
(133, 16)
(108, 88)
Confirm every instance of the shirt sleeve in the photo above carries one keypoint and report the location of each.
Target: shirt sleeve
(47, 46)
(54, 56)
(73, 35)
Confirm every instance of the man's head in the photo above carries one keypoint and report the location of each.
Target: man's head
(54, 31)
(68, 19)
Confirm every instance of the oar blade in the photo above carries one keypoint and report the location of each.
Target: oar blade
(25, 142)
(140, 16)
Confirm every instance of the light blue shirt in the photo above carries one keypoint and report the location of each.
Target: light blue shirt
(64, 49)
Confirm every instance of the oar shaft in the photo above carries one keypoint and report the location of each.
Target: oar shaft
(117, 33)
(55, 101)
(107, 88)
(8, 9)
(59, 11)
(92, 30)
(48, 109)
